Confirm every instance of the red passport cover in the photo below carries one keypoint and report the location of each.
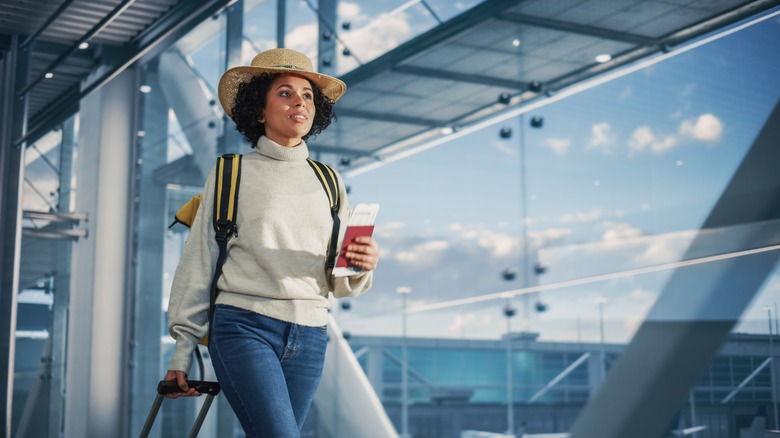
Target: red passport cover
(353, 231)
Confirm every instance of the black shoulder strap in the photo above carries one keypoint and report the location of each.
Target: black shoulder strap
(227, 182)
(327, 178)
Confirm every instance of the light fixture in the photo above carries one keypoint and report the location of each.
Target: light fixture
(509, 274)
(48, 75)
(346, 25)
(140, 133)
(509, 312)
(326, 61)
(346, 161)
(346, 52)
(446, 130)
(535, 86)
(327, 35)
(146, 89)
(505, 132)
(604, 57)
(504, 98)
(84, 45)
(516, 42)
(537, 121)
(346, 305)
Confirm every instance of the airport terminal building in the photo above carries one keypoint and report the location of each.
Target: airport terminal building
(608, 166)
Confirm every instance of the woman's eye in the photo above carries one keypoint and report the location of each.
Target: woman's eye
(284, 93)
(308, 96)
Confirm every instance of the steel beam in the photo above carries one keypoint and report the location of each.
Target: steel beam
(13, 117)
(580, 29)
(392, 118)
(460, 77)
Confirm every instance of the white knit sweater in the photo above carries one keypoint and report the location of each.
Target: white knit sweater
(276, 261)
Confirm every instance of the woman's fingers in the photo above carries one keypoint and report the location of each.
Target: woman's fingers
(363, 252)
(181, 379)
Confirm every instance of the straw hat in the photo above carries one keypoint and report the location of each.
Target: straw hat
(276, 61)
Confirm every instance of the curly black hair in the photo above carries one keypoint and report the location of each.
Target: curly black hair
(252, 97)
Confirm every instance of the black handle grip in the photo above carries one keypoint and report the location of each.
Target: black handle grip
(203, 387)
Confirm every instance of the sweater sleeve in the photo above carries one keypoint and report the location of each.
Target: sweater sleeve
(351, 285)
(189, 299)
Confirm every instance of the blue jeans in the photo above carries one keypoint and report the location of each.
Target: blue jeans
(268, 369)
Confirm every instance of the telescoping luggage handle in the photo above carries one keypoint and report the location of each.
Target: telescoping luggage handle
(211, 389)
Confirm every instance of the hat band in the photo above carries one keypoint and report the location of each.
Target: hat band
(294, 67)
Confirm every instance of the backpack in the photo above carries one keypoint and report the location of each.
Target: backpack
(228, 179)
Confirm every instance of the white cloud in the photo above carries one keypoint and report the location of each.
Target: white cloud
(423, 251)
(304, 39)
(469, 323)
(602, 138)
(667, 248)
(499, 244)
(618, 231)
(350, 11)
(644, 138)
(545, 237)
(707, 127)
(580, 216)
(389, 229)
(505, 148)
(379, 36)
(559, 146)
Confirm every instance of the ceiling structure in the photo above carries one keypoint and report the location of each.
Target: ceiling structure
(78, 45)
(502, 54)
(496, 57)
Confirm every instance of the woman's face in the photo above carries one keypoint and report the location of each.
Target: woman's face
(289, 110)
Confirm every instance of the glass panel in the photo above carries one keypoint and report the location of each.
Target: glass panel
(41, 331)
(575, 215)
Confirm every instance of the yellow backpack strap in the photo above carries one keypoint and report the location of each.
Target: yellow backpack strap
(227, 183)
(329, 182)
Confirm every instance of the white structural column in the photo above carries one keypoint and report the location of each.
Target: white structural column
(345, 389)
(96, 376)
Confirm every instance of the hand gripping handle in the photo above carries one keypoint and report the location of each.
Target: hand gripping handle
(203, 387)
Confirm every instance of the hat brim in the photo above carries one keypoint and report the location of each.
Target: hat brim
(331, 87)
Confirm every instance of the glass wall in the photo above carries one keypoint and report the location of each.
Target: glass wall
(560, 226)
(48, 223)
(576, 215)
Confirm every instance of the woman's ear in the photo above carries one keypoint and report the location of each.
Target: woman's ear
(262, 118)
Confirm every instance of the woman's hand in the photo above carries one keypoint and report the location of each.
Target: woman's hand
(181, 379)
(363, 252)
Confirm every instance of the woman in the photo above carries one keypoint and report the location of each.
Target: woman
(268, 334)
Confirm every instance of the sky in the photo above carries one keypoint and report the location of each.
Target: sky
(619, 177)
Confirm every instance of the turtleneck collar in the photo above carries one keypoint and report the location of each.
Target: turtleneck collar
(271, 149)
